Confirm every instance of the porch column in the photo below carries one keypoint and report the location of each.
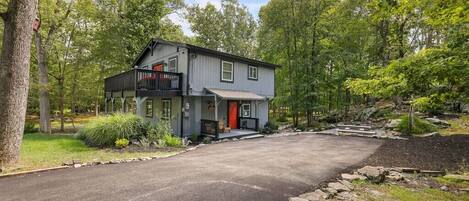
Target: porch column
(112, 104)
(139, 105)
(123, 104)
(105, 105)
(216, 108)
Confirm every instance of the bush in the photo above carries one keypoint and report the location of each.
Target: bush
(30, 128)
(433, 105)
(104, 131)
(282, 118)
(194, 137)
(271, 124)
(158, 131)
(172, 141)
(207, 140)
(421, 126)
(121, 143)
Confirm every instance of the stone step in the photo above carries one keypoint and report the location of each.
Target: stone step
(252, 136)
(355, 127)
(356, 131)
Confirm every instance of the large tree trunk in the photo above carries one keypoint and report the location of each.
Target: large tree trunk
(62, 103)
(14, 76)
(44, 102)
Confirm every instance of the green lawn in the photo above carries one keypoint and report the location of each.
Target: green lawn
(374, 192)
(42, 151)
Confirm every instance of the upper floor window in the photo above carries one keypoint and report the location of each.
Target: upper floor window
(173, 64)
(227, 71)
(252, 73)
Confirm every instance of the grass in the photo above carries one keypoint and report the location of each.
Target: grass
(458, 126)
(421, 126)
(69, 126)
(43, 151)
(369, 191)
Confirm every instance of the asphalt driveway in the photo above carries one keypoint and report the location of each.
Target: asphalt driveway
(260, 169)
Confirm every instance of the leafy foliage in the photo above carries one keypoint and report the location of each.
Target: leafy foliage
(121, 143)
(421, 126)
(104, 131)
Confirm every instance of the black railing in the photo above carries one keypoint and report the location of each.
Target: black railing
(249, 123)
(209, 127)
(141, 79)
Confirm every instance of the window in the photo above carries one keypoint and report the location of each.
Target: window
(173, 64)
(166, 115)
(246, 110)
(227, 71)
(252, 73)
(149, 108)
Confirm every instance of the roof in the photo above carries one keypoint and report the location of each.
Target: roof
(235, 95)
(198, 49)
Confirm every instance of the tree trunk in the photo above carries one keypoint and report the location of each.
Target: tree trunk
(14, 76)
(44, 102)
(61, 103)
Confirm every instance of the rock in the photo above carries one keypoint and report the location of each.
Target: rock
(352, 177)
(347, 183)
(406, 170)
(444, 188)
(225, 140)
(297, 199)
(317, 195)
(96, 163)
(77, 165)
(374, 174)
(430, 134)
(465, 108)
(114, 162)
(339, 187)
(394, 176)
(331, 192)
(438, 122)
(432, 173)
(67, 163)
(346, 196)
(392, 124)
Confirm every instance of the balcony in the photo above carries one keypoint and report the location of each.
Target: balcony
(145, 83)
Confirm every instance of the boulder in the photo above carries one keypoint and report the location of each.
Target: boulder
(365, 114)
(352, 177)
(374, 174)
(394, 176)
(297, 199)
(440, 123)
(339, 187)
(430, 134)
(347, 183)
(392, 124)
(444, 188)
(465, 108)
(346, 196)
(331, 192)
(317, 195)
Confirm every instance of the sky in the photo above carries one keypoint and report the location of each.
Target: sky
(252, 5)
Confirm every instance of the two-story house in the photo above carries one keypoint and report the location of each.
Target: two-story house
(198, 90)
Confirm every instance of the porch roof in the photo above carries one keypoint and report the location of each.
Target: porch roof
(235, 95)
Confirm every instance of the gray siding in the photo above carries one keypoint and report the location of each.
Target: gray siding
(205, 73)
(157, 110)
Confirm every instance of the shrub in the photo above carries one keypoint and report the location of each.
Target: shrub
(421, 126)
(271, 124)
(30, 128)
(172, 141)
(121, 143)
(158, 131)
(194, 137)
(433, 105)
(282, 118)
(207, 140)
(104, 131)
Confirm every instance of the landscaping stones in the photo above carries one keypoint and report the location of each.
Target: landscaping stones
(339, 187)
(444, 188)
(432, 173)
(433, 134)
(76, 165)
(317, 195)
(352, 177)
(394, 176)
(393, 123)
(297, 199)
(374, 174)
(440, 123)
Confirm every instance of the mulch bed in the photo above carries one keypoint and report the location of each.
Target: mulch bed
(434, 153)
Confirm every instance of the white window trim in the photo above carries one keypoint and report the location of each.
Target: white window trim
(222, 71)
(149, 102)
(175, 67)
(243, 110)
(163, 109)
(249, 72)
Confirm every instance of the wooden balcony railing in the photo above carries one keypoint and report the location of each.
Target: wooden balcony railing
(142, 80)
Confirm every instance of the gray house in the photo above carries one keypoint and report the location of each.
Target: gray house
(198, 90)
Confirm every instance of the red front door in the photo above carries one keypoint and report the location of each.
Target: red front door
(233, 114)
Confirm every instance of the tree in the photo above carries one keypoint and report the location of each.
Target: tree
(14, 76)
(231, 29)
